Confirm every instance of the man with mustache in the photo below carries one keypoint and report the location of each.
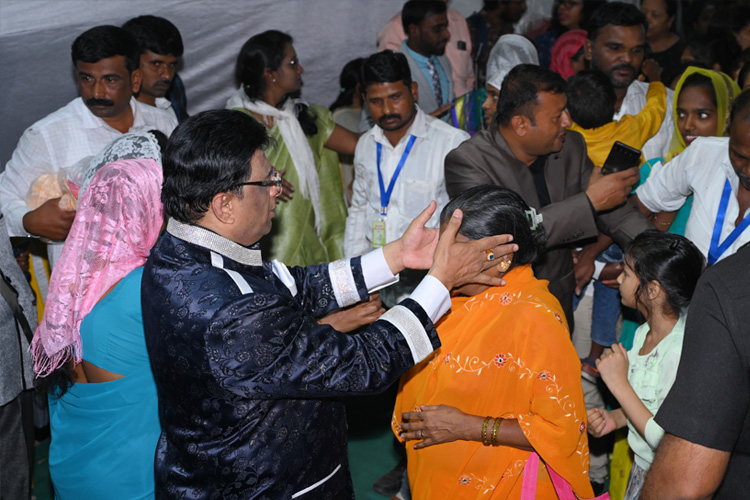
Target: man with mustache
(617, 47)
(106, 60)
(716, 171)
(398, 163)
(161, 49)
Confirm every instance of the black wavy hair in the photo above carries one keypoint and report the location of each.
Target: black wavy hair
(351, 76)
(491, 210)
(616, 14)
(101, 42)
(266, 50)
(208, 154)
(519, 91)
(386, 67)
(156, 34)
(671, 260)
(591, 98)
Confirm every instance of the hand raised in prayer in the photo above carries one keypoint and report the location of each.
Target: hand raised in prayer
(350, 318)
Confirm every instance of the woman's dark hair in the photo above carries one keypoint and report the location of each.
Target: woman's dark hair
(208, 154)
(492, 210)
(348, 80)
(671, 260)
(591, 98)
(262, 51)
(102, 42)
(519, 91)
(589, 6)
(161, 138)
(57, 383)
(702, 81)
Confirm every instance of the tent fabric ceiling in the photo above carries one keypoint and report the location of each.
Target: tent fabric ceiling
(36, 35)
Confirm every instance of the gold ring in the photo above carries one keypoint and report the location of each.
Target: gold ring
(421, 433)
(490, 254)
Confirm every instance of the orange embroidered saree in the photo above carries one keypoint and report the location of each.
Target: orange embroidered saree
(506, 353)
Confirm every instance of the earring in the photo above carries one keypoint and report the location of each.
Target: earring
(273, 80)
(504, 264)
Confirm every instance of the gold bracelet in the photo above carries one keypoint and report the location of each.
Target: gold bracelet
(495, 428)
(484, 431)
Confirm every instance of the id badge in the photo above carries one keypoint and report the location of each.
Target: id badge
(378, 233)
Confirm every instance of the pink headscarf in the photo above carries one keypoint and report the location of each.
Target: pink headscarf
(564, 49)
(118, 221)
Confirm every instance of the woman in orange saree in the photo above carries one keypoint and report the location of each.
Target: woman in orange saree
(506, 380)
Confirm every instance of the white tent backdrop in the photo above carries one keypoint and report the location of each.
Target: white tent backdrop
(36, 35)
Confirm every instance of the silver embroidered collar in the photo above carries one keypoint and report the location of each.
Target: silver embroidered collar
(212, 241)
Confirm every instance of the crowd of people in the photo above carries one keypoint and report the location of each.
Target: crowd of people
(535, 238)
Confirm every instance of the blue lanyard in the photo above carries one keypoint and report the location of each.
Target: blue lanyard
(385, 196)
(717, 249)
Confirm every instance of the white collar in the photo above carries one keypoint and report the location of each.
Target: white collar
(201, 236)
(418, 128)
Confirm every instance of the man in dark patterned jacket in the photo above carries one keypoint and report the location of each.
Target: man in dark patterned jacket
(247, 378)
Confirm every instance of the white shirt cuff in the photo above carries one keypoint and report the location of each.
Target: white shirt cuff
(598, 266)
(376, 272)
(434, 298)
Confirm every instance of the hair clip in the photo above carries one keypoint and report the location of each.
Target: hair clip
(534, 218)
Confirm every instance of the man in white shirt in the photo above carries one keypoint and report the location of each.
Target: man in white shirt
(616, 47)
(106, 60)
(716, 170)
(399, 162)
(161, 48)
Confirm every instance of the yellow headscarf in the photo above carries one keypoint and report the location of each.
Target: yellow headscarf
(725, 89)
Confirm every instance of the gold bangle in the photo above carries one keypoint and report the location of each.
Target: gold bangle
(495, 428)
(484, 431)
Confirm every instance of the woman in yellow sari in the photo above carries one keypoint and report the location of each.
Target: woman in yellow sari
(506, 380)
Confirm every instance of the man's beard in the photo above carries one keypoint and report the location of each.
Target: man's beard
(744, 180)
(610, 73)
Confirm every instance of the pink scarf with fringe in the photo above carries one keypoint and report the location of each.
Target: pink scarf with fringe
(118, 220)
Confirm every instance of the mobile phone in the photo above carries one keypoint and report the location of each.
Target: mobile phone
(621, 157)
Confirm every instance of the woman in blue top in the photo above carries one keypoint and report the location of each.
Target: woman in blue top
(103, 405)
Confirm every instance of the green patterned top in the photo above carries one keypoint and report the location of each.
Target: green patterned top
(293, 239)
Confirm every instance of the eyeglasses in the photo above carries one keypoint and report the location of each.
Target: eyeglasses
(274, 180)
